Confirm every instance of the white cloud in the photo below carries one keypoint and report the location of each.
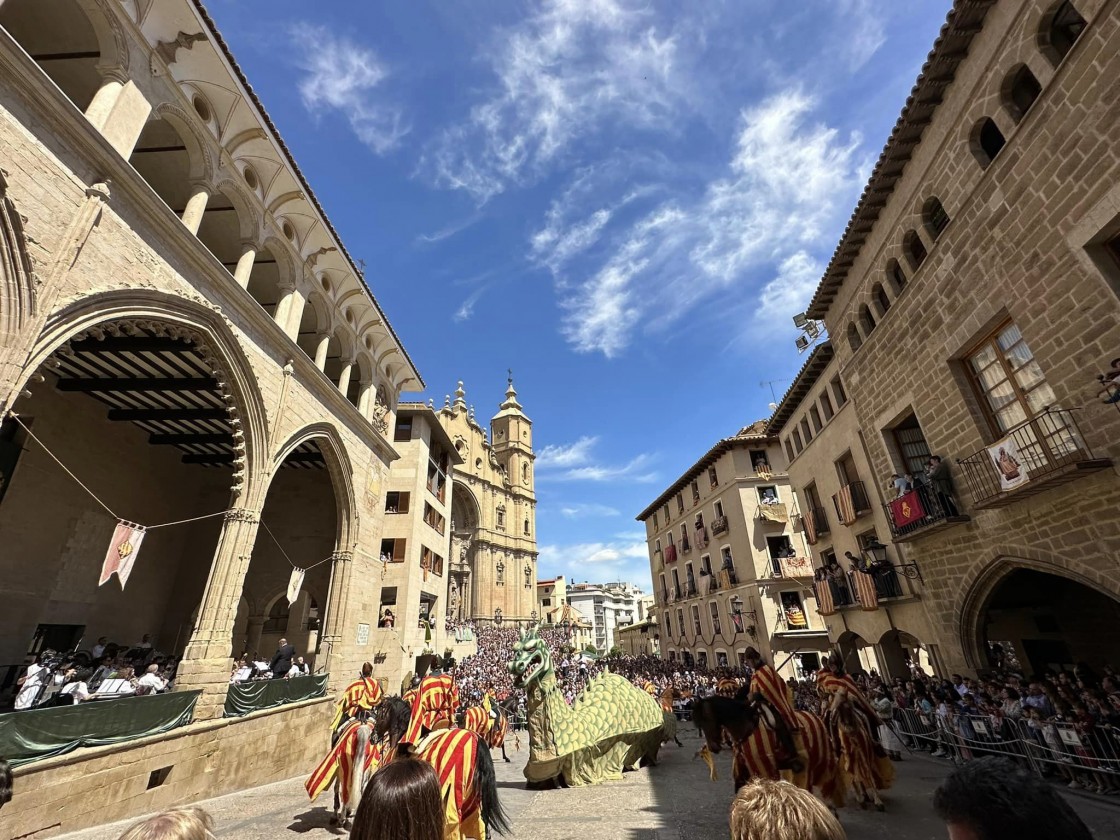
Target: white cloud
(574, 462)
(466, 310)
(781, 298)
(563, 73)
(584, 510)
(448, 231)
(863, 39)
(566, 455)
(783, 187)
(623, 558)
(343, 76)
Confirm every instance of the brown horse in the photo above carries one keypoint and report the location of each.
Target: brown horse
(757, 748)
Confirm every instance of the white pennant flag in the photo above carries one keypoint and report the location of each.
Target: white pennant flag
(295, 583)
(122, 553)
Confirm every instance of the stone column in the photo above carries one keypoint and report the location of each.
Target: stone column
(365, 398)
(206, 662)
(196, 206)
(336, 625)
(344, 377)
(245, 262)
(112, 83)
(321, 351)
(290, 312)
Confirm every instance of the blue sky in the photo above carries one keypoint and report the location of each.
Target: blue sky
(623, 201)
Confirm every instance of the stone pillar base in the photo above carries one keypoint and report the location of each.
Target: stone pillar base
(210, 675)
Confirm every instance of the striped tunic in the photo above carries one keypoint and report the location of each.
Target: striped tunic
(434, 707)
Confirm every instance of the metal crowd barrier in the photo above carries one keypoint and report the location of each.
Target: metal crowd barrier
(1050, 748)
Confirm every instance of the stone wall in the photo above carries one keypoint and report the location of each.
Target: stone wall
(1019, 246)
(103, 784)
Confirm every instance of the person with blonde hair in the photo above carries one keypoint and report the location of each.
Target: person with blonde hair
(186, 823)
(769, 810)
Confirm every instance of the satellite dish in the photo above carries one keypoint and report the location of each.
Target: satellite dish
(799, 320)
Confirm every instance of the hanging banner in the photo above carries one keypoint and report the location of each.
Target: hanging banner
(866, 594)
(122, 553)
(826, 605)
(907, 509)
(1009, 464)
(295, 584)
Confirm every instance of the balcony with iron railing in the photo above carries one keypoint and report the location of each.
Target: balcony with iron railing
(814, 523)
(851, 502)
(920, 512)
(690, 589)
(719, 525)
(773, 513)
(1043, 452)
(686, 546)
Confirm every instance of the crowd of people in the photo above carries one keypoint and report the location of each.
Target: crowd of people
(108, 670)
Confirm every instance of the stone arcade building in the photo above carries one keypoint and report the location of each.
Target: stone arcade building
(182, 328)
(972, 301)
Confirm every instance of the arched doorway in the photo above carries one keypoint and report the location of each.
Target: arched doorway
(465, 518)
(141, 412)
(300, 527)
(1038, 620)
(856, 653)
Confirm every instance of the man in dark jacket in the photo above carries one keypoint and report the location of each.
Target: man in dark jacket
(282, 660)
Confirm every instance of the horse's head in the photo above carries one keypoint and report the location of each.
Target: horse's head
(712, 715)
(390, 719)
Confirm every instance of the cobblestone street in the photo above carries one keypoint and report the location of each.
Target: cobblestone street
(672, 801)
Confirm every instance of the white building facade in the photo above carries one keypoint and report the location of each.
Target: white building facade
(608, 606)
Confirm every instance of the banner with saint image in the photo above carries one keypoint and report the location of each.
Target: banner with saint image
(1009, 464)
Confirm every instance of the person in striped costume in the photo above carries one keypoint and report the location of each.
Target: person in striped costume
(362, 695)
(767, 685)
(434, 707)
(854, 726)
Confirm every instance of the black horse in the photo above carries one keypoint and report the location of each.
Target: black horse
(391, 723)
(740, 719)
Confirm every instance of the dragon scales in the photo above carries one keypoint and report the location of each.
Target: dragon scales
(610, 727)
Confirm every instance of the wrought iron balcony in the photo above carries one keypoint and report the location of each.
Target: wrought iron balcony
(713, 585)
(851, 502)
(719, 526)
(686, 546)
(921, 511)
(815, 524)
(691, 590)
(1042, 452)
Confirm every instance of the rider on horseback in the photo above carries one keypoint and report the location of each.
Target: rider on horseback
(362, 695)
(434, 707)
(767, 686)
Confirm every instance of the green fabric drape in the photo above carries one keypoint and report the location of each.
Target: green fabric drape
(36, 734)
(242, 698)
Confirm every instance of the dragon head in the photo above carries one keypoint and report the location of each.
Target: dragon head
(531, 660)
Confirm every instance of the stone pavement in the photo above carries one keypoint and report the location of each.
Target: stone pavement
(673, 801)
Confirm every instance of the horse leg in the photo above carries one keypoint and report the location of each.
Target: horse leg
(473, 825)
(506, 757)
(335, 816)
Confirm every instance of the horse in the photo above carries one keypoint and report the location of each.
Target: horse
(352, 759)
(493, 730)
(462, 762)
(757, 747)
(864, 764)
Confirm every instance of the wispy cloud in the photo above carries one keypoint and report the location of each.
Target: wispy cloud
(566, 455)
(575, 462)
(449, 230)
(586, 510)
(785, 183)
(466, 309)
(341, 75)
(562, 73)
(862, 41)
(620, 558)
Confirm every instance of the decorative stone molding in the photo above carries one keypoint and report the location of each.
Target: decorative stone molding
(183, 41)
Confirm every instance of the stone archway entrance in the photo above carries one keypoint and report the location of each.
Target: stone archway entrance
(1038, 620)
(136, 409)
(465, 519)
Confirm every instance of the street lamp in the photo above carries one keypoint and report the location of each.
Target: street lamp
(876, 550)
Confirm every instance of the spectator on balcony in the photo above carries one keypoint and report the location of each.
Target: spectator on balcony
(1111, 382)
(839, 584)
(387, 619)
(901, 484)
(886, 579)
(761, 467)
(938, 474)
(769, 497)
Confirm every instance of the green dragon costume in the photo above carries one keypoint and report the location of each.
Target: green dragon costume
(611, 726)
